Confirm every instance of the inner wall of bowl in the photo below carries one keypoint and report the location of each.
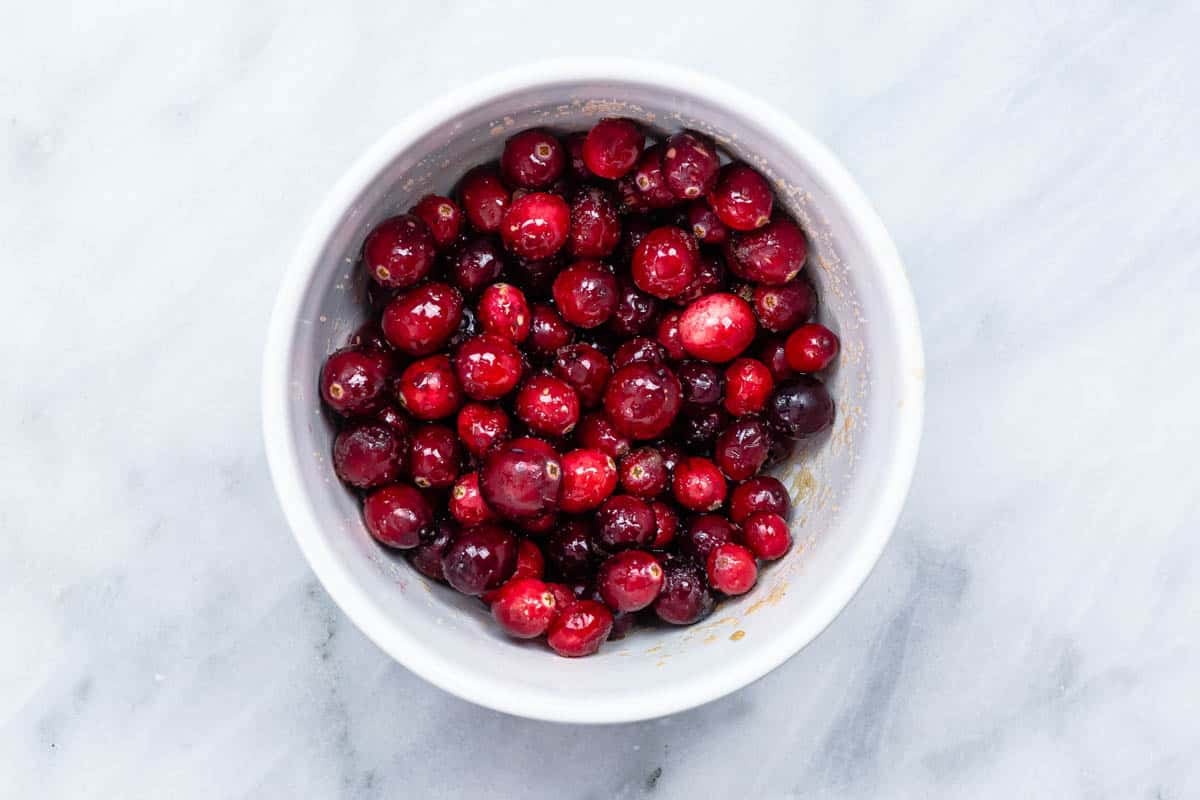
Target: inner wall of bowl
(832, 479)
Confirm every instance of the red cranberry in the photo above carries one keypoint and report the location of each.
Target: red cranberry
(800, 407)
(563, 596)
(664, 262)
(370, 336)
(589, 477)
(434, 457)
(697, 428)
(399, 251)
(466, 502)
(650, 181)
(630, 580)
(580, 629)
(642, 400)
(395, 419)
(773, 255)
(748, 385)
(488, 367)
(524, 608)
(480, 558)
(672, 454)
(702, 384)
(480, 426)
(639, 350)
(666, 523)
(484, 199)
(764, 493)
(781, 308)
(476, 264)
(571, 551)
(595, 225)
(426, 557)
(690, 165)
(767, 534)
(705, 225)
(443, 218)
(598, 433)
(354, 380)
(668, 336)
(504, 311)
(549, 406)
(576, 167)
(698, 484)
(742, 198)
(774, 356)
(429, 389)
(781, 451)
(585, 369)
(533, 159)
(731, 569)
(530, 564)
(742, 448)
(368, 454)
(536, 226)
(717, 327)
(635, 311)
(541, 524)
(644, 473)
(397, 514)
(684, 597)
(422, 320)
(625, 521)
(612, 147)
(547, 331)
(811, 348)
(705, 532)
(710, 278)
(586, 294)
(521, 479)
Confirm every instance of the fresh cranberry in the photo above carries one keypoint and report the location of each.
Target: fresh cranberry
(524, 607)
(585, 369)
(477, 263)
(672, 454)
(397, 514)
(764, 493)
(598, 433)
(710, 278)
(480, 558)
(650, 181)
(480, 426)
(690, 165)
(354, 380)
(547, 405)
(773, 354)
(742, 448)
(536, 226)
(421, 321)
(589, 477)
(703, 533)
(702, 384)
(434, 457)
(426, 557)
(504, 311)
(612, 147)
(541, 524)
(488, 367)
(547, 331)
(443, 218)
(781, 308)
(697, 428)
(586, 294)
(580, 629)
(639, 350)
(533, 159)
(644, 473)
(395, 419)
(595, 225)
(742, 198)
(705, 225)
(666, 523)
(781, 450)
(684, 597)
(570, 549)
(642, 400)
(399, 251)
(368, 454)
(731, 569)
(811, 348)
(630, 580)
(521, 478)
(668, 336)
(717, 327)
(428, 388)
(635, 311)
(773, 255)
(576, 167)
(664, 262)
(698, 484)
(369, 335)
(767, 534)
(484, 198)
(625, 521)
(748, 385)
(800, 407)
(466, 502)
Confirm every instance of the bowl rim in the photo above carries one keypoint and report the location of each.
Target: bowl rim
(283, 456)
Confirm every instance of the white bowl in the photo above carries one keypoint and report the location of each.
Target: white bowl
(848, 487)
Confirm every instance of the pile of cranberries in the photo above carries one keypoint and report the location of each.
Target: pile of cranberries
(577, 374)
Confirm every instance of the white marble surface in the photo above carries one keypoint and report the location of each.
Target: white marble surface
(1032, 631)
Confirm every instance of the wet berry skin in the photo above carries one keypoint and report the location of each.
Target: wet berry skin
(399, 251)
(547, 405)
(689, 165)
(612, 147)
(630, 580)
(533, 159)
(766, 534)
(442, 216)
(703, 384)
(354, 380)
(589, 477)
(521, 479)
(480, 426)
(684, 597)
(480, 558)
(731, 569)
(705, 225)
(782, 308)
(466, 502)
(580, 629)
(811, 348)
(595, 225)
(668, 336)
(547, 330)
(634, 313)
(570, 550)
(536, 225)
(639, 350)
(742, 198)
(586, 369)
(644, 473)
(698, 484)
(504, 311)
(397, 514)
(625, 521)
(800, 407)
(666, 524)
(649, 182)
(368, 454)
(488, 367)
(484, 199)
(705, 532)
(421, 321)
(434, 457)
(524, 608)
(428, 389)
(477, 263)
(742, 448)
(597, 432)
(426, 557)
(697, 428)
(642, 399)
(774, 355)
(710, 278)
(764, 493)
(585, 294)
(772, 255)
(717, 327)
(748, 385)
(664, 262)
(370, 336)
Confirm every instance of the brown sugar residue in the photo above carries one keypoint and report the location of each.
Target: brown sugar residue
(737, 636)
(777, 593)
(712, 637)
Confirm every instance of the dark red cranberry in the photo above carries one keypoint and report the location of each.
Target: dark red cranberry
(684, 597)
(612, 147)
(484, 198)
(703, 533)
(781, 308)
(764, 493)
(773, 255)
(395, 419)
(422, 320)
(668, 336)
(589, 477)
(710, 278)
(635, 311)
(639, 350)
(731, 569)
(634, 231)
(481, 426)
(466, 502)
(625, 521)
(354, 380)
(443, 218)
(742, 198)
(536, 226)
(586, 294)
(586, 369)
(644, 473)
(766, 533)
(429, 389)
(576, 167)
(571, 551)
(642, 400)
(397, 514)
(705, 225)
(665, 262)
(650, 181)
(399, 251)
(595, 225)
(580, 629)
(800, 407)
(368, 454)
(717, 327)
(480, 558)
(698, 484)
(504, 311)
(533, 159)
(702, 384)
(630, 580)
(623, 623)
(811, 348)
(697, 428)
(370, 336)
(748, 385)
(541, 524)
(524, 608)
(597, 432)
(488, 367)
(690, 165)
(477, 263)
(774, 355)
(469, 328)
(521, 478)
(742, 448)
(547, 405)
(672, 454)
(782, 450)
(547, 331)
(434, 457)
(426, 557)
(379, 296)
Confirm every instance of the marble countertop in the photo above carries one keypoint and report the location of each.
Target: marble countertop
(1032, 630)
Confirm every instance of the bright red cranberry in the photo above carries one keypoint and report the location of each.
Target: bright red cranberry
(484, 199)
(684, 597)
(767, 534)
(521, 479)
(668, 336)
(800, 407)
(586, 294)
(442, 216)
(524, 608)
(644, 473)
(773, 255)
(504, 311)
(547, 405)
(429, 389)
(774, 356)
(536, 226)
(533, 159)
(426, 557)
(731, 569)
(650, 181)
(477, 263)
(530, 561)
(480, 426)
(625, 521)
(598, 433)
(630, 580)
(355, 380)
(397, 514)
(370, 336)
(434, 457)
(635, 311)
(589, 477)
(368, 454)
(563, 596)
(612, 147)
(698, 484)
(742, 448)
(781, 308)
(488, 367)
(705, 532)
(547, 331)
(665, 262)
(705, 225)
(666, 524)
(703, 384)
(576, 168)
(642, 400)
(811, 348)
(466, 502)
(742, 198)
(697, 428)
(639, 350)
(764, 493)
(421, 321)
(748, 385)
(585, 369)
(717, 327)
(580, 629)
(690, 165)
(399, 251)
(480, 558)
(595, 225)
(571, 550)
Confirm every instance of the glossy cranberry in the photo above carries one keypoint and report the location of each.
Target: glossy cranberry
(504, 311)
(642, 400)
(533, 159)
(571, 551)
(635, 311)
(395, 419)
(524, 608)
(576, 168)
(773, 255)
(585, 369)
(580, 629)
(585, 294)
(782, 449)
(766, 534)
(426, 557)
(428, 388)
(547, 331)
(399, 251)
(595, 225)
(705, 225)
(665, 262)
(368, 454)
(684, 597)
(748, 385)
(639, 350)
(540, 525)
(397, 514)
(697, 428)
(743, 447)
(630, 580)
(442, 216)
(650, 182)
(477, 263)
(668, 336)
(717, 327)
(369, 335)
(548, 405)
(666, 524)
(480, 558)
(690, 165)
(595, 431)
(774, 355)
(466, 502)
(731, 569)
(536, 226)
(354, 380)
(563, 596)
(484, 199)
(434, 457)
(612, 147)
(488, 367)
(625, 521)
(698, 484)
(589, 477)
(480, 426)
(703, 384)
(703, 533)
(521, 479)
(800, 407)
(782, 308)
(644, 473)
(421, 321)
(811, 348)
(764, 493)
(741, 198)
